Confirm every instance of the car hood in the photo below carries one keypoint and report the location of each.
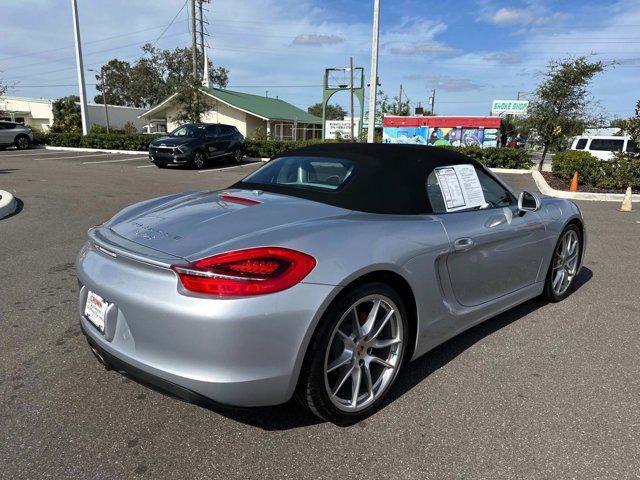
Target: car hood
(171, 141)
(196, 225)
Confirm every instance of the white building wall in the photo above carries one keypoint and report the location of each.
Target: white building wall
(219, 112)
(118, 116)
(37, 113)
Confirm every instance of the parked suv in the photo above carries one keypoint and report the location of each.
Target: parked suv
(12, 133)
(193, 144)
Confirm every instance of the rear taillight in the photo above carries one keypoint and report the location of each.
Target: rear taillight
(254, 271)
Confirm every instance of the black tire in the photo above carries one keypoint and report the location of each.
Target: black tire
(237, 155)
(312, 391)
(198, 160)
(549, 292)
(22, 142)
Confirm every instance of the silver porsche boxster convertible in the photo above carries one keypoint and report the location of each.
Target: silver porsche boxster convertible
(319, 275)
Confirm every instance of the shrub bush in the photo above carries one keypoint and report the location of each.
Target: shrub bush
(40, 137)
(619, 173)
(112, 141)
(492, 157)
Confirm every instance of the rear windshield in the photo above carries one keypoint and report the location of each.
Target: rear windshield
(606, 144)
(315, 173)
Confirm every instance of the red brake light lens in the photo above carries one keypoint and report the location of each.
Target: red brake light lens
(254, 271)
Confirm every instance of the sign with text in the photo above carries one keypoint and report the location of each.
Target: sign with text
(339, 129)
(509, 107)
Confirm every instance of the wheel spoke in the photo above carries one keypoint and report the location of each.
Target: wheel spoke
(342, 381)
(371, 318)
(557, 281)
(344, 358)
(356, 378)
(357, 330)
(384, 322)
(385, 343)
(367, 374)
(384, 363)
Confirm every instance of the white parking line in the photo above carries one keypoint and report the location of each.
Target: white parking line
(145, 166)
(28, 153)
(225, 168)
(70, 156)
(114, 161)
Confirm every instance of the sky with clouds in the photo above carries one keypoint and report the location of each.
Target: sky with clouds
(470, 51)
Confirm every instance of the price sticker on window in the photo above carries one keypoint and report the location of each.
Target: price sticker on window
(460, 187)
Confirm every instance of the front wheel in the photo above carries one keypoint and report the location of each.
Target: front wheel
(198, 160)
(356, 354)
(22, 142)
(564, 264)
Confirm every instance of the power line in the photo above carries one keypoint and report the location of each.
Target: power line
(170, 23)
(104, 39)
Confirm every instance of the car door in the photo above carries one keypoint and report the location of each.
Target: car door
(7, 133)
(495, 248)
(226, 138)
(212, 141)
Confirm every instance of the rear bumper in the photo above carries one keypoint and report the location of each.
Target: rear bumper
(242, 352)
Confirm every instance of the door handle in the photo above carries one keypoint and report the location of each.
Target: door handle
(463, 244)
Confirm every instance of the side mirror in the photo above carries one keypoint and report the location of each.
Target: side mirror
(529, 202)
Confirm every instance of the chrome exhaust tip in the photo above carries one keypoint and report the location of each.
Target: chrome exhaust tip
(100, 358)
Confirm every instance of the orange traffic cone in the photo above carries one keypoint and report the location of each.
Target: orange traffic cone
(574, 183)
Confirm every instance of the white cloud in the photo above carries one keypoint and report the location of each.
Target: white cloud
(317, 40)
(446, 83)
(423, 49)
(513, 16)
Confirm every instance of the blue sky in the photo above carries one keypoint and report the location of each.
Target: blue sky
(470, 51)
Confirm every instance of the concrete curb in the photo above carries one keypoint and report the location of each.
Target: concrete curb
(545, 189)
(97, 150)
(8, 204)
(510, 170)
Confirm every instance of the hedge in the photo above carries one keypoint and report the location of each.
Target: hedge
(111, 141)
(492, 157)
(616, 174)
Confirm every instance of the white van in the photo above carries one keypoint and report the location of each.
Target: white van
(604, 146)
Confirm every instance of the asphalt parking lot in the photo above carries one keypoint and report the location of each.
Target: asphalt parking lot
(542, 391)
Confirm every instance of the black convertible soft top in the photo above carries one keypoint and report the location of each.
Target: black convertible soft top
(389, 178)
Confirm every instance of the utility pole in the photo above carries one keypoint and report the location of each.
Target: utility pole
(104, 98)
(373, 85)
(193, 40)
(433, 101)
(353, 138)
(400, 101)
(203, 47)
(81, 86)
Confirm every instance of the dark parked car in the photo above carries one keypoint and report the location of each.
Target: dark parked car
(12, 133)
(193, 144)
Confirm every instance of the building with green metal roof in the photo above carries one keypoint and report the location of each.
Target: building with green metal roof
(247, 112)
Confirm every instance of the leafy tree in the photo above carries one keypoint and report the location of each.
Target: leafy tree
(620, 124)
(66, 115)
(334, 112)
(156, 75)
(559, 109)
(633, 125)
(192, 101)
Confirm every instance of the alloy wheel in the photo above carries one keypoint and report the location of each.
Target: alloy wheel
(364, 353)
(198, 160)
(565, 262)
(23, 143)
(237, 156)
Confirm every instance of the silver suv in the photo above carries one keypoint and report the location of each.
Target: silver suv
(12, 133)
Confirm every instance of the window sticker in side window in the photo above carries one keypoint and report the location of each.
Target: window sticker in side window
(460, 187)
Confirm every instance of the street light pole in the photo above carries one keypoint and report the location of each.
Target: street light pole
(373, 85)
(104, 98)
(81, 86)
